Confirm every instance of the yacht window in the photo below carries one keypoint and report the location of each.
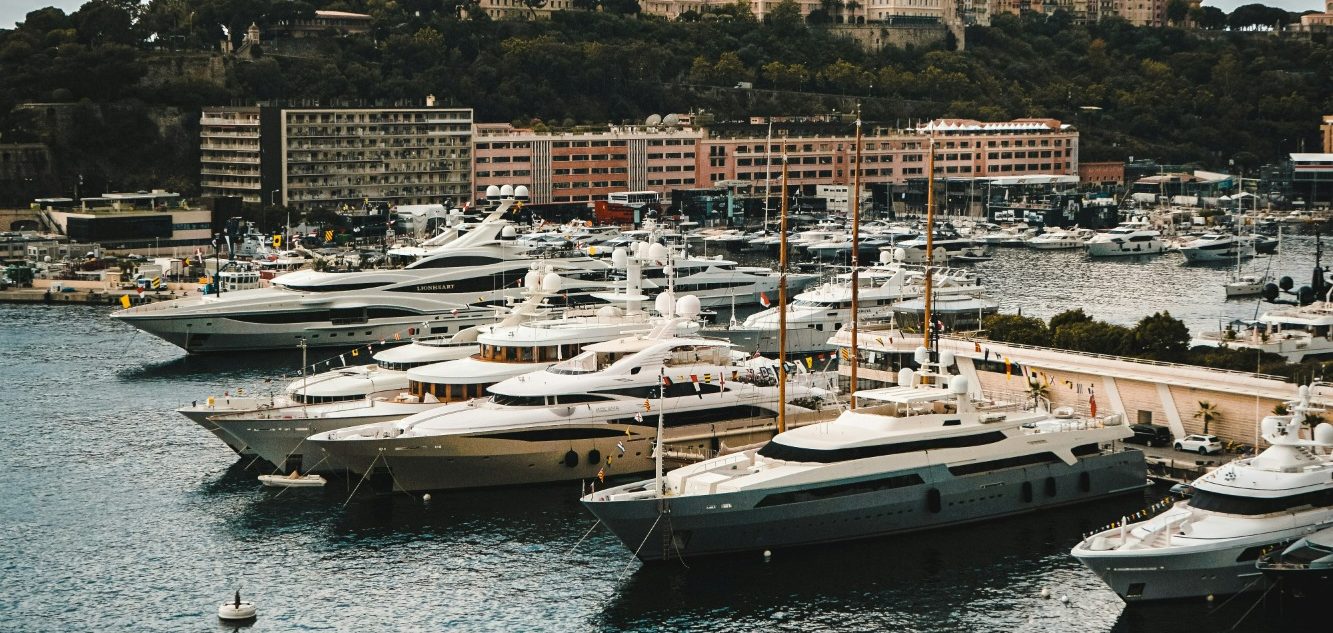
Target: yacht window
(578, 398)
(778, 450)
(518, 401)
(1234, 504)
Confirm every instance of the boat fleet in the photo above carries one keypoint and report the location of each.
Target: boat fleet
(506, 373)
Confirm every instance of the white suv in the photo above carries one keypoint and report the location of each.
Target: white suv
(1202, 444)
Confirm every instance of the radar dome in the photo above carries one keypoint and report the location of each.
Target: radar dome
(619, 258)
(671, 119)
(653, 119)
(885, 257)
(946, 359)
(532, 280)
(508, 232)
(608, 312)
(507, 191)
(921, 355)
(958, 385)
(1323, 433)
(552, 282)
(899, 254)
(1270, 425)
(906, 377)
(688, 306)
(521, 192)
(657, 252)
(492, 192)
(664, 303)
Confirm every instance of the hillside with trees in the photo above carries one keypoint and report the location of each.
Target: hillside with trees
(1204, 95)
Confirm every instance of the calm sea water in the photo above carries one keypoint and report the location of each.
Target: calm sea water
(118, 513)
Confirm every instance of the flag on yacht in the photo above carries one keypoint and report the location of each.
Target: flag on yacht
(764, 300)
(601, 475)
(621, 446)
(1092, 405)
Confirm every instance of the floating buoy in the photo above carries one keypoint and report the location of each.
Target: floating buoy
(237, 609)
(1210, 597)
(768, 555)
(426, 497)
(1064, 599)
(1045, 593)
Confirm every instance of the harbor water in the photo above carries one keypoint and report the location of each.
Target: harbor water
(120, 514)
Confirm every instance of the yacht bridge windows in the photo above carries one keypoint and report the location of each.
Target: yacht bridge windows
(448, 392)
(528, 354)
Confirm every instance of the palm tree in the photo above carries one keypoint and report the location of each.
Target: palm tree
(1208, 413)
(1038, 392)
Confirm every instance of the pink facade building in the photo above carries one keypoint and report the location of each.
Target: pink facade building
(586, 166)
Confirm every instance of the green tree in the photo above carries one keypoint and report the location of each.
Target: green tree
(785, 18)
(1160, 337)
(1177, 11)
(1012, 328)
(1068, 317)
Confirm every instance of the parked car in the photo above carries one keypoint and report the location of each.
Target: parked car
(1201, 444)
(1150, 435)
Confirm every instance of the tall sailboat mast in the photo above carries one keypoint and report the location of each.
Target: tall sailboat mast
(782, 306)
(927, 322)
(855, 201)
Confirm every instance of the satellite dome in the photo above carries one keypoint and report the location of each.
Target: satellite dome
(1270, 425)
(946, 358)
(921, 355)
(608, 312)
(664, 302)
(657, 252)
(508, 232)
(507, 191)
(688, 306)
(521, 192)
(671, 119)
(653, 119)
(899, 254)
(1323, 433)
(532, 280)
(619, 258)
(958, 385)
(885, 257)
(492, 192)
(906, 377)
(552, 282)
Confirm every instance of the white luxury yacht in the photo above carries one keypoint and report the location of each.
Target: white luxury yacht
(526, 340)
(917, 456)
(437, 293)
(1294, 332)
(1057, 239)
(1207, 544)
(346, 383)
(816, 314)
(587, 417)
(1218, 247)
(1130, 238)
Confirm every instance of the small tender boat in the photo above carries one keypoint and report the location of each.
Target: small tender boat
(294, 480)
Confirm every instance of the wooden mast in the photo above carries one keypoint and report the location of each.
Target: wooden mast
(926, 322)
(855, 202)
(782, 306)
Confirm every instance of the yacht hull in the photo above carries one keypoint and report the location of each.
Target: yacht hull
(1109, 249)
(1172, 574)
(200, 414)
(444, 462)
(203, 334)
(782, 517)
(280, 441)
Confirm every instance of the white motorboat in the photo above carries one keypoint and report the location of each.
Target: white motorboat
(1059, 239)
(438, 293)
(922, 456)
(1218, 247)
(1294, 332)
(1130, 238)
(587, 417)
(1207, 544)
(1246, 284)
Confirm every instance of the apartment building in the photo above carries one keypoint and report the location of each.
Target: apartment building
(1326, 130)
(583, 166)
(309, 158)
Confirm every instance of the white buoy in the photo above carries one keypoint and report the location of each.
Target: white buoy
(1045, 593)
(768, 555)
(426, 497)
(1064, 599)
(237, 609)
(1210, 597)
